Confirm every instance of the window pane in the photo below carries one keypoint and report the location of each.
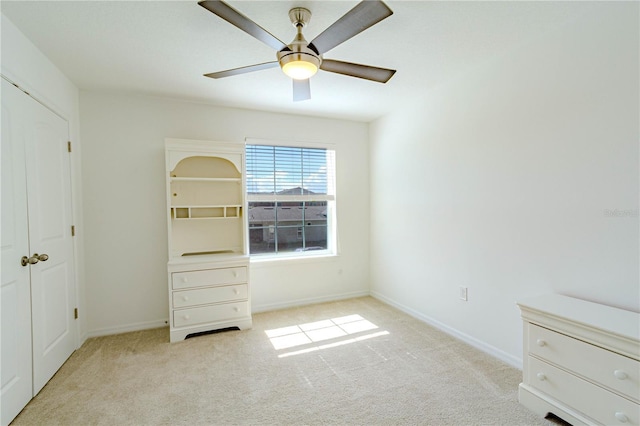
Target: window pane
(289, 230)
(289, 214)
(262, 240)
(262, 221)
(288, 239)
(261, 213)
(315, 226)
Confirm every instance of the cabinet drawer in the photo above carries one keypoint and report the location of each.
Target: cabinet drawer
(210, 314)
(209, 277)
(595, 402)
(205, 296)
(607, 368)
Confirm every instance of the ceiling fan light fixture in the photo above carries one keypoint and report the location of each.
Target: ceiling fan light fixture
(299, 65)
(299, 70)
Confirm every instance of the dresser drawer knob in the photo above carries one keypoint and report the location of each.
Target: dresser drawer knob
(541, 343)
(185, 298)
(184, 279)
(235, 308)
(235, 274)
(622, 417)
(187, 317)
(236, 291)
(620, 375)
(541, 377)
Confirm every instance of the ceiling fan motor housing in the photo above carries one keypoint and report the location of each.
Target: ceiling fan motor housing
(298, 49)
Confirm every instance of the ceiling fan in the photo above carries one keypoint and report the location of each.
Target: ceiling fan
(299, 59)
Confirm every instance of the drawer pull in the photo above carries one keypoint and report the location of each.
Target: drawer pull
(620, 375)
(236, 291)
(235, 308)
(185, 280)
(235, 274)
(541, 342)
(186, 317)
(622, 417)
(541, 377)
(185, 298)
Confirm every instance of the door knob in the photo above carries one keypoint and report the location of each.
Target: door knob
(24, 261)
(29, 260)
(41, 257)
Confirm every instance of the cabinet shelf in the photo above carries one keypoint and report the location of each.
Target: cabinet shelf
(206, 212)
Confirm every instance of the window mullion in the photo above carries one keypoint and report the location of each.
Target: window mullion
(275, 229)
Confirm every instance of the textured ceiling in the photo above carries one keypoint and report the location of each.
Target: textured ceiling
(163, 48)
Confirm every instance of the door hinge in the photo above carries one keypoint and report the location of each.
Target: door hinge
(75, 313)
(69, 146)
(73, 231)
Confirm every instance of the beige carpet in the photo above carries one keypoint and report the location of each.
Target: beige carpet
(353, 362)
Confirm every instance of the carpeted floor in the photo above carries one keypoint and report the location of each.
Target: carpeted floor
(352, 362)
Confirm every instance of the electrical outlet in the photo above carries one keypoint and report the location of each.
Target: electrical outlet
(463, 293)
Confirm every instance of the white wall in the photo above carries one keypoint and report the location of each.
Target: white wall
(125, 211)
(23, 64)
(501, 180)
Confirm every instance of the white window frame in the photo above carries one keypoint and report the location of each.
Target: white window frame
(330, 198)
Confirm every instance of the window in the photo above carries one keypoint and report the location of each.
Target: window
(291, 195)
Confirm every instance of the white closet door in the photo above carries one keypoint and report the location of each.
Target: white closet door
(38, 332)
(49, 207)
(15, 373)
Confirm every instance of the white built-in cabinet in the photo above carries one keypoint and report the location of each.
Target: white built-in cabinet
(208, 250)
(582, 361)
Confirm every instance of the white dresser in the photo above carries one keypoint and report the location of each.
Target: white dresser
(581, 361)
(208, 293)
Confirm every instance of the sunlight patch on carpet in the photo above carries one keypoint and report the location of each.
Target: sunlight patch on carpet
(324, 330)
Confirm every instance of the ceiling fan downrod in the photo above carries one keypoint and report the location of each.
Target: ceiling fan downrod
(299, 61)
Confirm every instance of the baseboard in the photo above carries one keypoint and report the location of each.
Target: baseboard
(146, 325)
(308, 301)
(478, 344)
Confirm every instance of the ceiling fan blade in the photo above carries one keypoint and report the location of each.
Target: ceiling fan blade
(242, 70)
(381, 75)
(366, 14)
(301, 90)
(236, 18)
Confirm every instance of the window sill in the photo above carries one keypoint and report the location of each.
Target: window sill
(281, 260)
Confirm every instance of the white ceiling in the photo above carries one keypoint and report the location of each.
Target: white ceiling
(163, 48)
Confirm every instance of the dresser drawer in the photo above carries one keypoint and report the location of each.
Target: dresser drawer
(595, 402)
(607, 368)
(205, 296)
(212, 313)
(209, 277)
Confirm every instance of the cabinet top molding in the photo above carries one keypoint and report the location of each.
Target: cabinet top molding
(179, 149)
(614, 328)
(202, 145)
